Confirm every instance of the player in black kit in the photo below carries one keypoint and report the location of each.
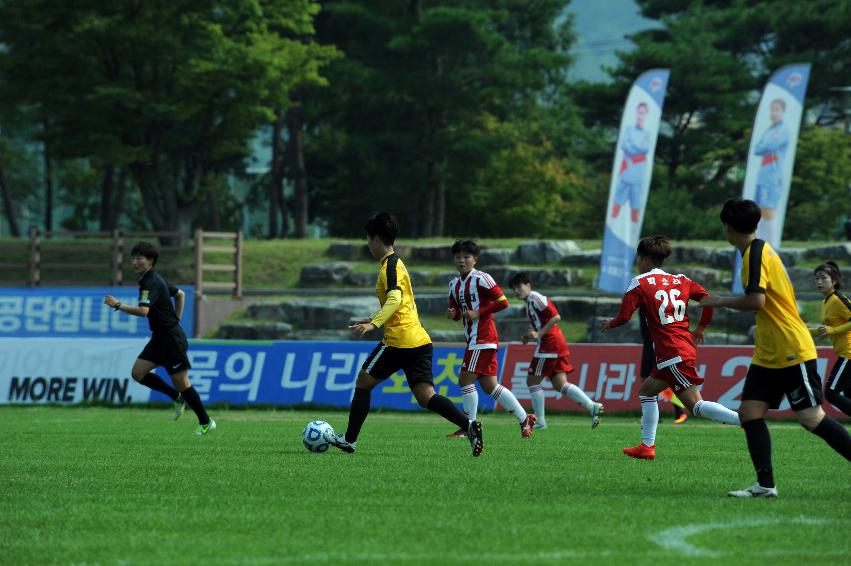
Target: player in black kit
(168, 344)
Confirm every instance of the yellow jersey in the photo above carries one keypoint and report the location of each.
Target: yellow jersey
(403, 328)
(782, 338)
(835, 313)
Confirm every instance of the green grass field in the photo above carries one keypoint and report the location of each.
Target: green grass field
(129, 486)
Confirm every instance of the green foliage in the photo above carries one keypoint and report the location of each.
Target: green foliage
(821, 185)
(170, 91)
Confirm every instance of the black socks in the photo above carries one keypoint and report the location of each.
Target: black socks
(153, 381)
(449, 411)
(759, 445)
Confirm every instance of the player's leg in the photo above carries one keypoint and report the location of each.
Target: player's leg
(621, 197)
(762, 391)
(504, 397)
(427, 397)
(838, 386)
(648, 395)
(559, 368)
(536, 391)
(378, 366)
(708, 409)
(177, 365)
(467, 381)
(191, 397)
(810, 414)
(143, 370)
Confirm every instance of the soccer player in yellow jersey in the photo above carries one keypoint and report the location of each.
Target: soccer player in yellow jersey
(835, 323)
(406, 345)
(784, 358)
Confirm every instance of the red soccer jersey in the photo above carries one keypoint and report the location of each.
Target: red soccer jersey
(663, 298)
(478, 291)
(540, 311)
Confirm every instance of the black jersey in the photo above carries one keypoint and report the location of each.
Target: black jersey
(156, 293)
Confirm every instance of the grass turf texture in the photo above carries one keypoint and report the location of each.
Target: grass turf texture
(98, 485)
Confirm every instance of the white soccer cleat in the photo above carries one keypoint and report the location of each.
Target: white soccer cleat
(540, 424)
(596, 413)
(203, 429)
(755, 490)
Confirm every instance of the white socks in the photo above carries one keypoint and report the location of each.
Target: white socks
(716, 412)
(577, 395)
(509, 402)
(470, 397)
(649, 419)
(536, 392)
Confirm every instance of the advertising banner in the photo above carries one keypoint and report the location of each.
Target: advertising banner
(631, 174)
(77, 312)
(609, 373)
(771, 157)
(284, 373)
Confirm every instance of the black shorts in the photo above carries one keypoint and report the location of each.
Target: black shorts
(840, 376)
(800, 383)
(168, 349)
(385, 360)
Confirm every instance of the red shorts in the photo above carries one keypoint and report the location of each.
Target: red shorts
(548, 367)
(481, 362)
(679, 376)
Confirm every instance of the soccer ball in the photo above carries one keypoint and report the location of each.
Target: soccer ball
(314, 434)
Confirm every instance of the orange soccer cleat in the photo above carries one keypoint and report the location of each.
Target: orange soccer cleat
(641, 452)
(681, 419)
(527, 425)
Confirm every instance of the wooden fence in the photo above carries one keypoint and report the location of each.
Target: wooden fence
(107, 254)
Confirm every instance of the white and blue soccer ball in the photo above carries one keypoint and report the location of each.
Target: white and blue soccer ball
(314, 436)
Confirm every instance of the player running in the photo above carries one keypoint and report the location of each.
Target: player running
(784, 357)
(406, 345)
(836, 323)
(168, 345)
(663, 300)
(474, 297)
(552, 357)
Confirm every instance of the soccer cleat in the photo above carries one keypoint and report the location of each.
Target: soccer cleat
(527, 425)
(681, 419)
(460, 433)
(203, 429)
(339, 440)
(755, 490)
(596, 413)
(540, 424)
(474, 433)
(641, 452)
(179, 405)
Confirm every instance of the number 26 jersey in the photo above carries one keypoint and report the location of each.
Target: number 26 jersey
(663, 298)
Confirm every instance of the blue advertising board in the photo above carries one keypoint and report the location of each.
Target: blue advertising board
(307, 373)
(77, 312)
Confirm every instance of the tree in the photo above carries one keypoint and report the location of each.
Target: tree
(167, 92)
(720, 54)
(407, 102)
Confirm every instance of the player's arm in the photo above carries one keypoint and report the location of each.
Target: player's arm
(129, 309)
(179, 303)
(498, 303)
(391, 304)
(545, 328)
(629, 304)
(453, 312)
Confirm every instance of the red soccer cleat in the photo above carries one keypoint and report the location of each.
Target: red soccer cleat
(527, 425)
(641, 452)
(460, 433)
